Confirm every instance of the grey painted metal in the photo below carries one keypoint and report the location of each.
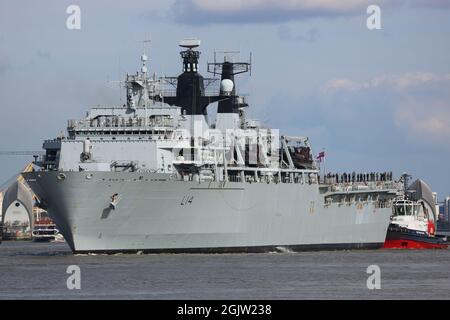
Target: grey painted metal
(124, 179)
(154, 213)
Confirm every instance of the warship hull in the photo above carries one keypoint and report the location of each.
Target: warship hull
(154, 213)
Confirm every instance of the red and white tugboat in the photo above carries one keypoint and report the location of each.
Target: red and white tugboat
(44, 228)
(413, 223)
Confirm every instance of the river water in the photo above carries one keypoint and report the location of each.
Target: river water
(38, 271)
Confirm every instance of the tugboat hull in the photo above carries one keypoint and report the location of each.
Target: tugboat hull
(408, 239)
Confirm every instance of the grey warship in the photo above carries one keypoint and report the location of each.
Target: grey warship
(155, 175)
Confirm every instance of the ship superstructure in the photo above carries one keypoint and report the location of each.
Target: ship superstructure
(155, 175)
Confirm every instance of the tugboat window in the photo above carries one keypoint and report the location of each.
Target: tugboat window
(408, 210)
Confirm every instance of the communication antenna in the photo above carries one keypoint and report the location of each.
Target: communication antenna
(144, 70)
(228, 68)
(189, 43)
(216, 67)
(120, 77)
(250, 66)
(405, 179)
(144, 56)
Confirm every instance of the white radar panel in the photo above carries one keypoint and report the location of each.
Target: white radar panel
(189, 43)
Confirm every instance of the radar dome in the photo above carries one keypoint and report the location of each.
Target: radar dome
(226, 86)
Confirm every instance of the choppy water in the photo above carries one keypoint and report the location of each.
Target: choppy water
(38, 271)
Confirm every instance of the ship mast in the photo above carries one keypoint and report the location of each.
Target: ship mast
(405, 178)
(144, 70)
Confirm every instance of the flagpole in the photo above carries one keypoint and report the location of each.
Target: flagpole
(324, 164)
(320, 157)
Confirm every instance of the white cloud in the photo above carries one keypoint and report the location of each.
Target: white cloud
(432, 3)
(425, 120)
(396, 82)
(285, 33)
(341, 84)
(248, 11)
(287, 5)
(419, 103)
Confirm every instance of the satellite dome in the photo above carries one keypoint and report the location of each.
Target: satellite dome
(226, 86)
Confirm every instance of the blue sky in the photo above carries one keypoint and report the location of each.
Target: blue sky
(373, 99)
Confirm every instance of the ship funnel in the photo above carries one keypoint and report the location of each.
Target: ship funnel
(227, 70)
(190, 85)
